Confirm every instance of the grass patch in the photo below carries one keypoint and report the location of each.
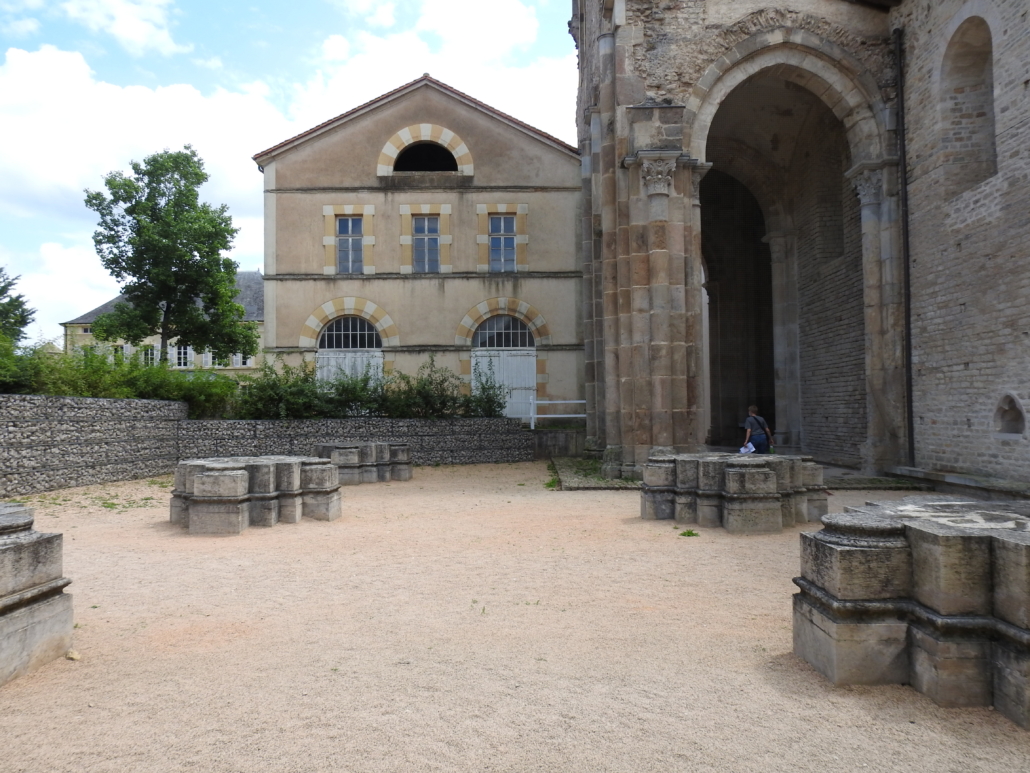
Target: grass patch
(553, 482)
(689, 533)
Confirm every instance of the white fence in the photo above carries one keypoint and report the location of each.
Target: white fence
(533, 415)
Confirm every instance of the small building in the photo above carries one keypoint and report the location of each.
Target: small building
(427, 223)
(78, 333)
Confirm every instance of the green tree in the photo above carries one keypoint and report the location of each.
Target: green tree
(15, 315)
(165, 248)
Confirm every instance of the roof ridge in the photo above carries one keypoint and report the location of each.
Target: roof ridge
(426, 78)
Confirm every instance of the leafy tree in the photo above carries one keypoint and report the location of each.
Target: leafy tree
(15, 315)
(166, 247)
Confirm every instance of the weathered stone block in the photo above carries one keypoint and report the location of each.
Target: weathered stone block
(951, 572)
(221, 483)
(290, 507)
(850, 652)
(1012, 577)
(33, 635)
(1012, 683)
(319, 475)
(951, 673)
(849, 572)
(322, 506)
(214, 517)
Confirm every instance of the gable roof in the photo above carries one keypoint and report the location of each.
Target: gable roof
(423, 82)
(251, 296)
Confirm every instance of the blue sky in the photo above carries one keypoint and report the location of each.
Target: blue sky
(88, 85)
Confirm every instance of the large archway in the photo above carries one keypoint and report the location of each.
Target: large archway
(782, 244)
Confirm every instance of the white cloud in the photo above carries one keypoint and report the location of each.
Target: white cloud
(16, 6)
(138, 25)
(383, 16)
(335, 48)
(60, 283)
(214, 63)
(20, 28)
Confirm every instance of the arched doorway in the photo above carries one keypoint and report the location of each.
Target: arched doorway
(782, 242)
(505, 345)
(349, 346)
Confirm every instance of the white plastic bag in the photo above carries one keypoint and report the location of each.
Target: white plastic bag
(747, 449)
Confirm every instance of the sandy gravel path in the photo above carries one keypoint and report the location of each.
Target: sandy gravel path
(469, 620)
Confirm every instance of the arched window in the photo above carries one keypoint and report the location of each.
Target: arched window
(349, 347)
(350, 333)
(503, 332)
(425, 157)
(968, 151)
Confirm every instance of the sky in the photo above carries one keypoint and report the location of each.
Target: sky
(87, 86)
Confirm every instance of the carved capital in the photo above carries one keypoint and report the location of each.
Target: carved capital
(869, 186)
(657, 175)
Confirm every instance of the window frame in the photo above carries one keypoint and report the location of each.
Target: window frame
(425, 244)
(352, 240)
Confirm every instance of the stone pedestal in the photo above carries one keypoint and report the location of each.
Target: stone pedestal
(743, 494)
(929, 591)
(226, 495)
(368, 462)
(35, 613)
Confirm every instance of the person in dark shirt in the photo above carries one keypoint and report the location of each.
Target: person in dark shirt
(758, 432)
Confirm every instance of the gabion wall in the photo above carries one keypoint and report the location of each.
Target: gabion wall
(54, 442)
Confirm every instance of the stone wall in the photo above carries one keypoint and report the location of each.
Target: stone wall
(970, 284)
(439, 441)
(55, 442)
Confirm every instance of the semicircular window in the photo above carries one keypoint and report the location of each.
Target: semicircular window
(1009, 418)
(503, 332)
(425, 157)
(350, 333)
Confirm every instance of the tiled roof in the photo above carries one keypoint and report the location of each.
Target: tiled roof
(424, 80)
(251, 296)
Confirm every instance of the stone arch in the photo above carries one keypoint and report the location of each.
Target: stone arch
(806, 59)
(348, 307)
(968, 145)
(424, 132)
(495, 306)
(764, 179)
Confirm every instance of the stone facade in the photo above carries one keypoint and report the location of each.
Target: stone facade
(54, 442)
(930, 591)
(35, 612)
(744, 229)
(421, 218)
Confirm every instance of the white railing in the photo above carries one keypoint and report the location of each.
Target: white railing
(533, 415)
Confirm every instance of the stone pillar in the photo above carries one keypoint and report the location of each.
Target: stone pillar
(592, 360)
(609, 258)
(693, 429)
(884, 320)
(786, 346)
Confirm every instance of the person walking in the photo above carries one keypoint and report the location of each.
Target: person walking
(758, 432)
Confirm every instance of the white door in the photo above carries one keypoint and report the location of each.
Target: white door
(515, 370)
(331, 363)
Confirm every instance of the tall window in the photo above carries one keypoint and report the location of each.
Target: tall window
(183, 356)
(348, 245)
(350, 333)
(425, 243)
(148, 355)
(502, 242)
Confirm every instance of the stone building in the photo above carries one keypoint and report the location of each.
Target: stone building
(78, 333)
(818, 207)
(427, 223)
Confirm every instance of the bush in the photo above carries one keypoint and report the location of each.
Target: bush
(101, 372)
(284, 392)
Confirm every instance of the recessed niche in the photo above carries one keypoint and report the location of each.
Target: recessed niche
(1009, 418)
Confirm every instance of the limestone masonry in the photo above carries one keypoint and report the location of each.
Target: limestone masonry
(745, 494)
(35, 612)
(932, 591)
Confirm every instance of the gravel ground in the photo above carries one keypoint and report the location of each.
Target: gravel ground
(468, 620)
